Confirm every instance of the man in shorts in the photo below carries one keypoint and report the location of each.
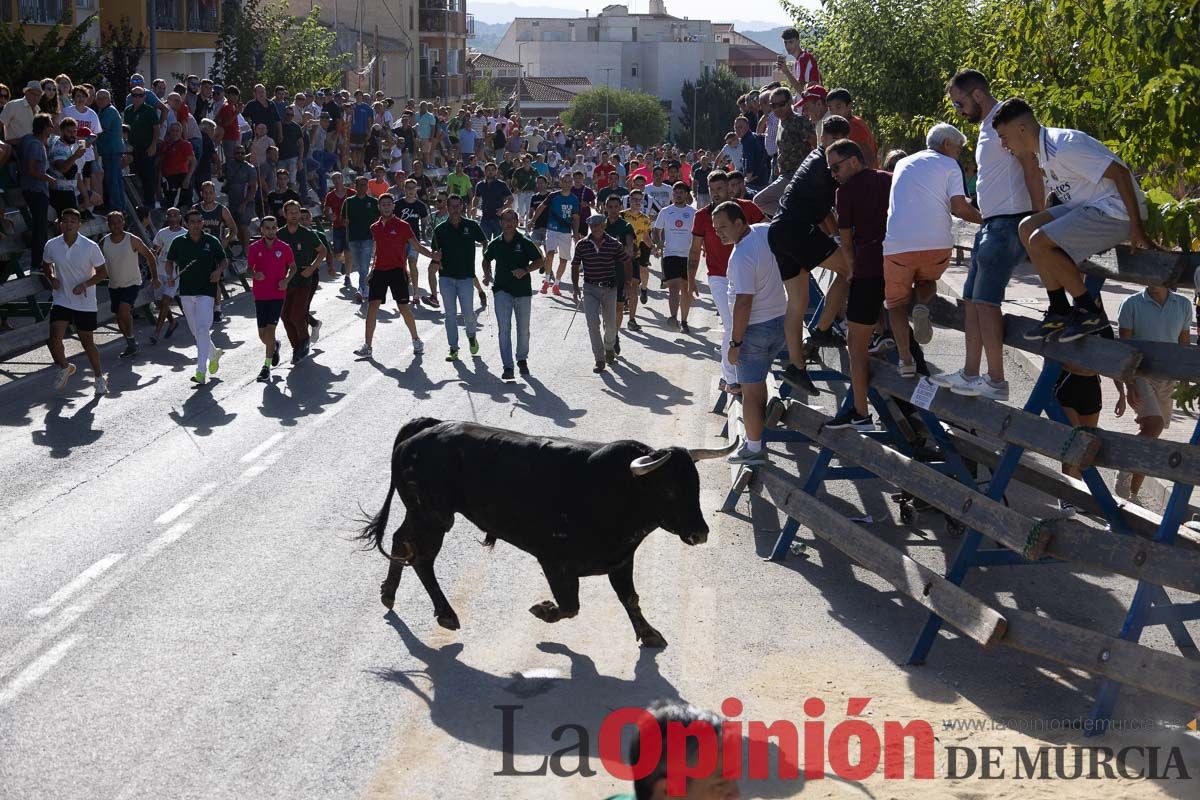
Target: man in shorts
(1155, 314)
(641, 223)
(121, 251)
(1100, 207)
(1008, 189)
(926, 188)
(673, 236)
(801, 241)
(73, 265)
(562, 211)
(164, 294)
(862, 211)
(393, 238)
(270, 261)
(760, 306)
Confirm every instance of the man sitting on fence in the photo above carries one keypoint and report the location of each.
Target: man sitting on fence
(1101, 206)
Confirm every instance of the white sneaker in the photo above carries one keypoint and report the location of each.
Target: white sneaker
(1124, 484)
(101, 386)
(1067, 509)
(418, 347)
(744, 455)
(64, 375)
(364, 351)
(948, 380)
(314, 332)
(991, 390)
(922, 327)
(908, 369)
(214, 360)
(970, 387)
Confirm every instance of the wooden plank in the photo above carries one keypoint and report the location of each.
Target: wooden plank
(1155, 671)
(1116, 359)
(1009, 424)
(1165, 360)
(1143, 267)
(1174, 461)
(994, 520)
(1130, 556)
(968, 614)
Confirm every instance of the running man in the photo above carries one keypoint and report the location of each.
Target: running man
(166, 295)
(73, 265)
(413, 210)
(332, 209)
(392, 238)
(515, 257)
(454, 255)
(302, 281)
(672, 233)
(220, 223)
(121, 250)
(195, 263)
(360, 212)
(561, 212)
(641, 223)
(270, 260)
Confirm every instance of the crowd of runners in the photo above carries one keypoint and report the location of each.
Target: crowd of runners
(328, 185)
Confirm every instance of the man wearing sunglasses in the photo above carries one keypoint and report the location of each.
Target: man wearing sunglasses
(795, 138)
(144, 125)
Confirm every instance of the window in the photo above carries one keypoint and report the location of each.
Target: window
(83, 5)
(202, 15)
(633, 69)
(452, 61)
(634, 34)
(167, 15)
(45, 12)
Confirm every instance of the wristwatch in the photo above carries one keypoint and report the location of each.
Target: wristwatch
(734, 343)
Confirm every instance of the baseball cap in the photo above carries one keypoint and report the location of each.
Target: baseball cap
(816, 92)
(218, 88)
(596, 219)
(84, 130)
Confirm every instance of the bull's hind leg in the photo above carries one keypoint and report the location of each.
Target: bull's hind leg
(401, 548)
(621, 579)
(565, 588)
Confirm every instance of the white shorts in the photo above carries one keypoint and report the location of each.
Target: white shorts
(163, 290)
(559, 242)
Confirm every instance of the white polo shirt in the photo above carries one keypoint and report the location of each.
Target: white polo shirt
(676, 224)
(923, 185)
(1073, 164)
(74, 264)
(754, 270)
(1001, 186)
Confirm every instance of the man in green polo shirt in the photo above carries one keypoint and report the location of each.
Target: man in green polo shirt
(143, 121)
(524, 181)
(302, 280)
(360, 210)
(195, 264)
(459, 182)
(454, 256)
(515, 256)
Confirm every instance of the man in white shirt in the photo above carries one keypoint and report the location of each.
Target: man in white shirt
(658, 194)
(1009, 188)
(1100, 207)
(73, 265)
(672, 232)
(759, 304)
(927, 187)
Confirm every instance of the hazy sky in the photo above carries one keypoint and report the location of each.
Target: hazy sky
(717, 10)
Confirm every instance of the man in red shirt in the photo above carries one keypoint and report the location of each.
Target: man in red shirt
(839, 103)
(393, 239)
(337, 233)
(804, 71)
(227, 121)
(269, 260)
(602, 171)
(716, 258)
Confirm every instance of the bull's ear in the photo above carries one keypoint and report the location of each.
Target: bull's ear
(644, 465)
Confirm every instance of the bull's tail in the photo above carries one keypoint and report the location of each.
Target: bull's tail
(373, 532)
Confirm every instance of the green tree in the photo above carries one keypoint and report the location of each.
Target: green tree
(642, 115)
(121, 53)
(710, 102)
(298, 52)
(487, 92)
(64, 49)
(239, 47)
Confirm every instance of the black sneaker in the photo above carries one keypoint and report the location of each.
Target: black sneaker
(1083, 322)
(645, 297)
(523, 366)
(275, 355)
(598, 368)
(218, 316)
(131, 349)
(264, 374)
(851, 419)
(1052, 325)
(617, 346)
(683, 326)
(826, 338)
(799, 378)
(881, 344)
(634, 326)
(508, 375)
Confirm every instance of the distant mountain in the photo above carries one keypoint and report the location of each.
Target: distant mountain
(505, 12)
(768, 39)
(487, 36)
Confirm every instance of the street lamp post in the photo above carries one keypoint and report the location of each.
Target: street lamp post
(607, 89)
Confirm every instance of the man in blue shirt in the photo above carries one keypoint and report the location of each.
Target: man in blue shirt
(361, 117)
(110, 147)
(491, 197)
(426, 125)
(562, 211)
(756, 164)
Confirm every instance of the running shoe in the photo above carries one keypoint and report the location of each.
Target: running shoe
(218, 316)
(364, 351)
(948, 380)
(598, 368)
(1083, 322)
(617, 346)
(683, 326)
(275, 355)
(744, 455)
(171, 329)
(264, 374)
(633, 325)
(200, 377)
(672, 323)
(315, 331)
(545, 286)
(908, 369)
(507, 374)
(880, 344)
(1067, 509)
(645, 296)
(799, 378)
(826, 338)
(300, 354)
(474, 345)
(358, 298)
(1052, 325)
(101, 386)
(453, 356)
(1124, 485)
(557, 292)
(523, 366)
(610, 356)
(851, 419)
(992, 390)
(346, 281)
(64, 375)
(214, 360)
(131, 349)
(418, 347)
(922, 326)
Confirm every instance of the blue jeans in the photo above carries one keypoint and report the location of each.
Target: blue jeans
(361, 253)
(458, 292)
(114, 181)
(322, 162)
(506, 305)
(761, 344)
(490, 226)
(995, 255)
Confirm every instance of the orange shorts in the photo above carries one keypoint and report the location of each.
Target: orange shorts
(902, 270)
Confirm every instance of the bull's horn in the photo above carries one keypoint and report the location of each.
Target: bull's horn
(647, 464)
(701, 453)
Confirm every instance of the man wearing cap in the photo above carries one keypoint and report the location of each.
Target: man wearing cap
(604, 261)
(814, 106)
(144, 124)
(17, 117)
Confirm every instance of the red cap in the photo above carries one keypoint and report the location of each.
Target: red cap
(84, 130)
(816, 91)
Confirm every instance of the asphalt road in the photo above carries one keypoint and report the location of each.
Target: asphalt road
(183, 613)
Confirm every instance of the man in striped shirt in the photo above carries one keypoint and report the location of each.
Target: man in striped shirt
(605, 262)
(804, 71)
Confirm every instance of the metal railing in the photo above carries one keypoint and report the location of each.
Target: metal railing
(40, 12)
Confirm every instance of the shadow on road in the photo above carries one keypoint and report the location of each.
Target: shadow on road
(634, 386)
(64, 434)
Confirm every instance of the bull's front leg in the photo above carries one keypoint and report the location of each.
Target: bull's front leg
(565, 588)
(621, 579)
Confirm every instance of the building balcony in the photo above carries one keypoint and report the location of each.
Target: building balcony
(442, 22)
(191, 16)
(37, 12)
(451, 87)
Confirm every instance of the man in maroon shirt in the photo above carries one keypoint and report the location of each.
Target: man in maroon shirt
(716, 258)
(862, 206)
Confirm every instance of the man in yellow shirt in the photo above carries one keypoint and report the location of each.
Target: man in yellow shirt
(641, 223)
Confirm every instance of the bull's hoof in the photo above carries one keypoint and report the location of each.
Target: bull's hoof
(546, 611)
(653, 638)
(387, 596)
(449, 621)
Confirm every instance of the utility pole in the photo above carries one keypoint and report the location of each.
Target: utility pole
(607, 89)
(153, 22)
(446, 54)
(378, 62)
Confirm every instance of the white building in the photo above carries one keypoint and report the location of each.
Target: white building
(652, 53)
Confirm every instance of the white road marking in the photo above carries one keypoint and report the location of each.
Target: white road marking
(262, 448)
(43, 664)
(170, 535)
(83, 579)
(180, 508)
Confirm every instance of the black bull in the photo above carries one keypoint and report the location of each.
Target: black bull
(579, 508)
